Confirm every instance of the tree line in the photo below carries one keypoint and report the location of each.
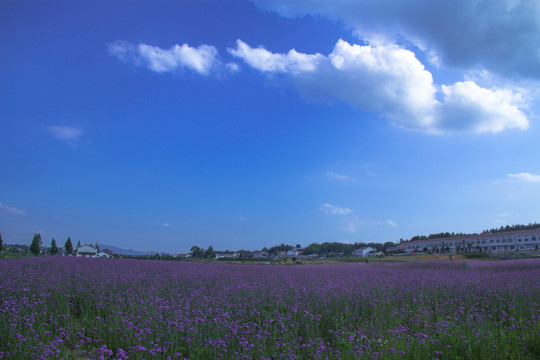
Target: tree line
(517, 227)
(530, 226)
(323, 249)
(37, 245)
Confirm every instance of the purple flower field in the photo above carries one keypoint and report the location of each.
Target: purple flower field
(73, 308)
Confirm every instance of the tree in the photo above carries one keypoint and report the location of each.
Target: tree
(35, 247)
(79, 244)
(1, 243)
(209, 254)
(197, 252)
(54, 248)
(68, 246)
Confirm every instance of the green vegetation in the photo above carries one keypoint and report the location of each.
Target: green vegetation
(54, 247)
(530, 226)
(68, 246)
(35, 247)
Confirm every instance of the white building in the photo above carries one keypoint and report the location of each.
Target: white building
(105, 253)
(363, 251)
(504, 241)
(295, 252)
(226, 255)
(260, 254)
(86, 251)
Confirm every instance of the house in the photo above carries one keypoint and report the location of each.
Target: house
(86, 251)
(105, 253)
(260, 254)
(226, 255)
(295, 252)
(363, 251)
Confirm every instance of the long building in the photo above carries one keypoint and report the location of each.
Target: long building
(505, 241)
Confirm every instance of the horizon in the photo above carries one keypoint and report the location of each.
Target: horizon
(240, 124)
(359, 243)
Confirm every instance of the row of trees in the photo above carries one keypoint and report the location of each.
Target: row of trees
(35, 246)
(200, 253)
(530, 226)
(440, 235)
(326, 248)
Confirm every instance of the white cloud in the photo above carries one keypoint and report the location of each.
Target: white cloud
(166, 225)
(391, 81)
(336, 176)
(391, 223)
(330, 209)
(12, 210)
(525, 177)
(122, 50)
(501, 36)
(263, 60)
(469, 106)
(202, 59)
(65, 132)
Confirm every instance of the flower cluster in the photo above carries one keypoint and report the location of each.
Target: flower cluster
(76, 308)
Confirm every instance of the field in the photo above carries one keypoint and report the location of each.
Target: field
(73, 308)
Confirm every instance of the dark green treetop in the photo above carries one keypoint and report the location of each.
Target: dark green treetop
(68, 246)
(35, 247)
(54, 248)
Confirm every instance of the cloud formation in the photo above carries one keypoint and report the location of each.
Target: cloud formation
(348, 220)
(391, 223)
(391, 81)
(266, 61)
(501, 36)
(202, 59)
(330, 209)
(65, 132)
(12, 210)
(336, 176)
(525, 177)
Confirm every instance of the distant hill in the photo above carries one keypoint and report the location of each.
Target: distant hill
(121, 251)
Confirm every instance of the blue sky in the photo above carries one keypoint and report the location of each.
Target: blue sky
(159, 125)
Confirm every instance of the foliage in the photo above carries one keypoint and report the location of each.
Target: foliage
(274, 250)
(197, 252)
(1, 243)
(68, 246)
(209, 253)
(54, 247)
(35, 246)
(517, 227)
